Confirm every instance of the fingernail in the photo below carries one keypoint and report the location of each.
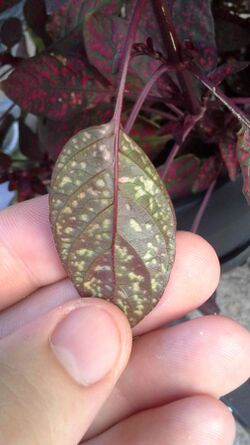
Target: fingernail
(87, 344)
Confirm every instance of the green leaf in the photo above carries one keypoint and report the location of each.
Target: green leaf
(243, 153)
(118, 249)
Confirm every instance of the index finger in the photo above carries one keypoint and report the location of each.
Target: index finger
(28, 256)
(29, 260)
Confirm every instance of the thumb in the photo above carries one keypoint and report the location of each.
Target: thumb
(57, 371)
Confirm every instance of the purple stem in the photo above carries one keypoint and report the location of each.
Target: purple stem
(132, 29)
(241, 100)
(176, 146)
(172, 46)
(203, 207)
(175, 109)
(131, 33)
(137, 107)
(169, 160)
(229, 103)
(161, 113)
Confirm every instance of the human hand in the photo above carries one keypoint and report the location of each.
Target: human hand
(61, 357)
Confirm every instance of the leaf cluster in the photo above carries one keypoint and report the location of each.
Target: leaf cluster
(71, 80)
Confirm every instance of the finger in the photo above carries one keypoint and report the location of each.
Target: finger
(193, 280)
(186, 289)
(56, 372)
(194, 420)
(27, 251)
(208, 355)
(36, 305)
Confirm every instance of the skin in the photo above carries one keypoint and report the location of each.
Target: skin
(169, 383)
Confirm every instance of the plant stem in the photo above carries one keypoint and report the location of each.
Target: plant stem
(163, 114)
(241, 100)
(137, 107)
(203, 207)
(177, 147)
(172, 46)
(175, 109)
(229, 103)
(131, 33)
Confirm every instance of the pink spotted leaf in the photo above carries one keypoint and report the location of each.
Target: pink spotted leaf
(181, 175)
(104, 36)
(207, 173)
(55, 87)
(222, 71)
(243, 153)
(227, 148)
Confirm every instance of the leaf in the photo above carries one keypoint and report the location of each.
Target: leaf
(243, 153)
(36, 17)
(29, 143)
(227, 148)
(181, 175)
(58, 88)
(120, 250)
(53, 5)
(146, 134)
(71, 15)
(222, 71)
(193, 21)
(104, 36)
(206, 175)
(11, 32)
(6, 4)
(53, 135)
(5, 162)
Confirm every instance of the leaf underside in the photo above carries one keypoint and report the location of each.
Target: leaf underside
(129, 266)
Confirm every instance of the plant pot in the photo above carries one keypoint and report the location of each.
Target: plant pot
(225, 224)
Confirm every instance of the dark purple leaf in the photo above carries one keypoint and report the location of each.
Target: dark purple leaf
(53, 135)
(5, 162)
(115, 235)
(29, 143)
(55, 87)
(6, 4)
(37, 186)
(227, 148)
(181, 175)
(218, 75)
(193, 21)
(207, 173)
(11, 31)
(8, 59)
(243, 153)
(36, 17)
(5, 124)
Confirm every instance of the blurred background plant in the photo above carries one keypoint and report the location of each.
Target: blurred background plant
(59, 72)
